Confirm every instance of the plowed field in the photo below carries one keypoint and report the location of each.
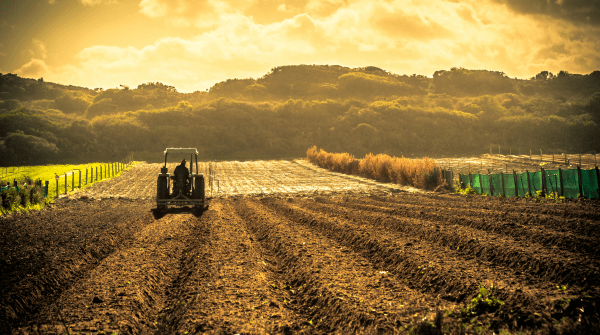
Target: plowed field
(286, 247)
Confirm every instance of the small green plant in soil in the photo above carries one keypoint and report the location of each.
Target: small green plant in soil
(483, 303)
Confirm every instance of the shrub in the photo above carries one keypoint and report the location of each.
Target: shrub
(24, 194)
(10, 199)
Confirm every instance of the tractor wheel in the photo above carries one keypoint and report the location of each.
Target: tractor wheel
(162, 190)
(199, 192)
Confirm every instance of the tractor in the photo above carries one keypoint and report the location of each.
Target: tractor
(184, 191)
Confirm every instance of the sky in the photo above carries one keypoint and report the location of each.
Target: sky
(193, 44)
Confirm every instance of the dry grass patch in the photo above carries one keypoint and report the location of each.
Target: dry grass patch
(421, 173)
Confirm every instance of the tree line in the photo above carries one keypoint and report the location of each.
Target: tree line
(292, 108)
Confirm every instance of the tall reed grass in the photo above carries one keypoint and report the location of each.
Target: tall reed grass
(421, 173)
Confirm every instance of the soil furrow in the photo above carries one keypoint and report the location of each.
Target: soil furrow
(77, 244)
(339, 289)
(227, 283)
(111, 297)
(576, 216)
(518, 226)
(531, 258)
(434, 270)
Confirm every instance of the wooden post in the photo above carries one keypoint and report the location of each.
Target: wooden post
(65, 183)
(528, 183)
(56, 187)
(579, 179)
(560, 180)
(73, 180)
(470, 178)
(491, 185)
(86, 175)
(96, 179)
(47, 189)
(543, 182)
(79, 178)
(516, 184)
(502, 181)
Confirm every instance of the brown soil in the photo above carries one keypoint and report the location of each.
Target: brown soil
(359, 257)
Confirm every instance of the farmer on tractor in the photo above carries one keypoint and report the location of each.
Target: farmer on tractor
(188, 188)
(181, 176)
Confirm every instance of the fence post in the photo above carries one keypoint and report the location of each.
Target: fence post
(65, 183)
(579, 180)
(516, 184)
(86, 175)
(47, 183)
(470, 179)
(96, 179)
(79, 178)
(528, 182)
(73, 180)
(560, 180)
(56, 186)
(543, 182)
(491, 184)
(502, 180)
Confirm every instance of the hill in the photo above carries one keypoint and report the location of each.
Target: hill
(292, 108)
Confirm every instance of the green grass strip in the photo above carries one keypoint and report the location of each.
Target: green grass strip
(49, 173)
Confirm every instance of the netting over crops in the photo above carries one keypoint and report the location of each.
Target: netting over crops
(572, 183)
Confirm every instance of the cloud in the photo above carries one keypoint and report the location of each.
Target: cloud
(194, 13)
(574, 11)
(40, 48)
(404, 37)
(93, 2)
(35, 68)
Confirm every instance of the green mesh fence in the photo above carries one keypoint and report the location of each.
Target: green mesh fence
(589, 184)
(552, 181)
(485, 184)
(476, 183)
(496, 185)
(509, 185)
(535, 180)
(464, 178)
(570, 183)
(522, 185)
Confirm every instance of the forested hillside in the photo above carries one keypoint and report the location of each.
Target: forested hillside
(292, 108)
